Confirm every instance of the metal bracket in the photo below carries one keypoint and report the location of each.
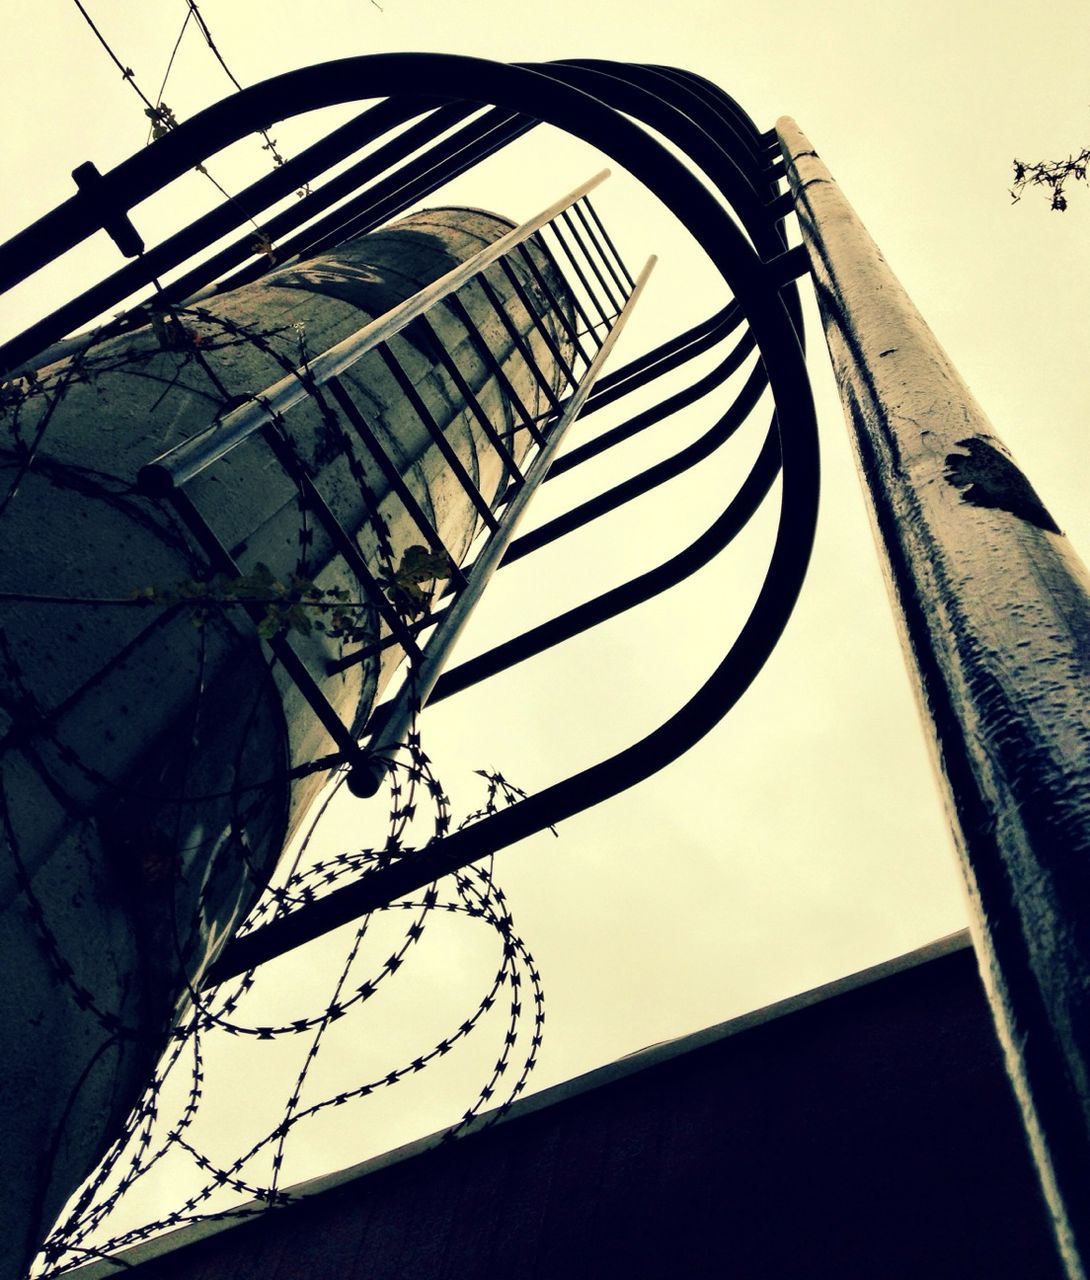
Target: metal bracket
(116, 225)
(789, 266)
(781, 206)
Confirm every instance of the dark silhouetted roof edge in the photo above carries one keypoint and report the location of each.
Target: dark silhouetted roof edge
(640, 1060)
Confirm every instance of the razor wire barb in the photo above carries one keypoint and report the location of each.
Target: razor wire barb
(153, 1132)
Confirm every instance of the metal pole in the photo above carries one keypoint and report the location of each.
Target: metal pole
(994, 609)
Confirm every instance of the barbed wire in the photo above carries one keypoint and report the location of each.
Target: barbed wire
(479, 898)
(268, 144)
(150, 1136)
(162, 118)
(127, 73)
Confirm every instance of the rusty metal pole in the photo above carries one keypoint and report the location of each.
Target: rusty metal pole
(994, 610)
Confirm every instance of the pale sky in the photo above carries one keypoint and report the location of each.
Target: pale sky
(804, 838)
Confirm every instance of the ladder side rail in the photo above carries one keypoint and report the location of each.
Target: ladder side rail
(178, 465)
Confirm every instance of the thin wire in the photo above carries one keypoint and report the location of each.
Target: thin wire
(126, 72)
(196, 13)
(270, 143)
(170, 67)
(162, 118)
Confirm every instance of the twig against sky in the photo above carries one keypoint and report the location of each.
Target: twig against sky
(1051, 174)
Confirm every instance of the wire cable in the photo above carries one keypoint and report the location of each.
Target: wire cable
(162, 117)
(170, 67)
(127, 73)
(269, 143)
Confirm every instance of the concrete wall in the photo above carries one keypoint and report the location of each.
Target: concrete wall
(144, 761)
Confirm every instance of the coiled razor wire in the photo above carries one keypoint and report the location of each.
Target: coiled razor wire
(475, 895)
(84, 1232)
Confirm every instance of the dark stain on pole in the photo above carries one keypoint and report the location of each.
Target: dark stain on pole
(988, 478)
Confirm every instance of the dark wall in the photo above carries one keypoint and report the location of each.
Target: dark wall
(871, 1136)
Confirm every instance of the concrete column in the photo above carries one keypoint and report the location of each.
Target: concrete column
(145, 759)
(994, 609)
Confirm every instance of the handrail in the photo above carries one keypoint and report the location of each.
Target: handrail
(177, 466)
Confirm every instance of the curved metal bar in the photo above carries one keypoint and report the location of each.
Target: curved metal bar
(729, 114)
(371, 209)
(719, 110)
(770, 320)
(649, 417)
(605, 108)
(650, 478)
(618, 600)
(196, 140)
(668, 355)
(215, 128)
(639, 95)
(681, 103)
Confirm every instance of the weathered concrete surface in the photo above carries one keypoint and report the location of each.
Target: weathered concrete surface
(994, 607)
(144, 758)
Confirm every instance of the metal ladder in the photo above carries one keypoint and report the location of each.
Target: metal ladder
(600, 293)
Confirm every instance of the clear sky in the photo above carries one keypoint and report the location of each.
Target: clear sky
(804, 838)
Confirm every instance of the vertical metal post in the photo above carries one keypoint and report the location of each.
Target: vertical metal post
(994, 609)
